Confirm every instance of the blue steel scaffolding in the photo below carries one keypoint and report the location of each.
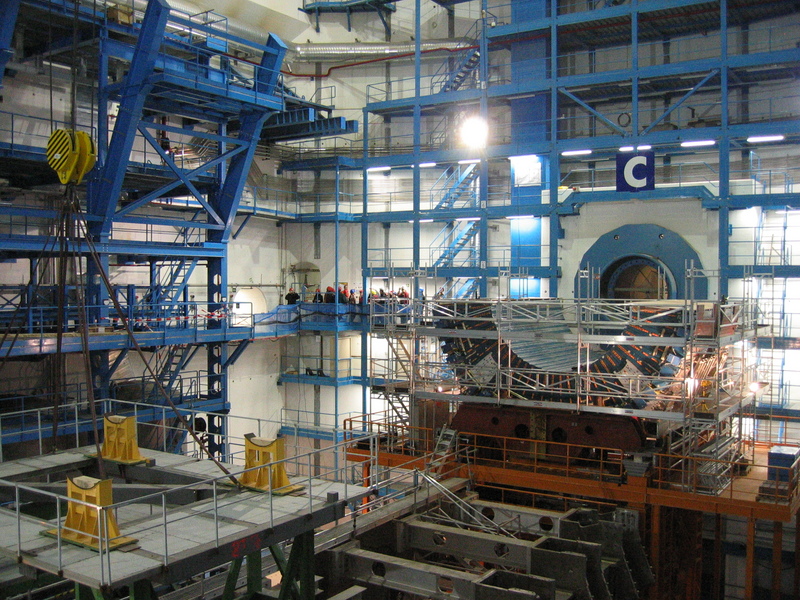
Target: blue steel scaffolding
(186, 112)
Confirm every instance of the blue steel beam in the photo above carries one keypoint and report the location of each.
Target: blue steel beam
(162, 191)
(104, 192)
(8, 19)
(183, 177)
(683, 99)
(251, 122)
(35, 243)
(592, 110)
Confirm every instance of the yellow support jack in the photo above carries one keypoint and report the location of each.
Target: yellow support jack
(120, 441)
(259, 452)
(82, 525)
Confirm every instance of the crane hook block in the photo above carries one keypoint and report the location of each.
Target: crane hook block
(71, 154)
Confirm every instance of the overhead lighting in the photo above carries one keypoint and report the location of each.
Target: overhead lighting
(469, 161)
(377, 169)
(576, 152)
(757, 139)
(697, 143)
(426, 220)
(638, 148)
(644, 147)
(513, 217)
(474, 132)
(626, 149)
(468, 219)
(426, 165)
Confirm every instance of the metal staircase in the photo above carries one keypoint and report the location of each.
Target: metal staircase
(453, 241)
(169, 367)
(443, 452)
(456, 186)
(465, 71)
(460, 287)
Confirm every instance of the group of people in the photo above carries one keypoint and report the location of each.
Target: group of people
(402, 295)
(329, 296)
(345, 296)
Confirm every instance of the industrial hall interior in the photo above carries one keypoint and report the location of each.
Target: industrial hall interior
(399, 299)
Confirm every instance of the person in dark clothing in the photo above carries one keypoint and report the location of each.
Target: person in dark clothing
(292, 297)
(330, 295)
(318, 298)
(342, 296)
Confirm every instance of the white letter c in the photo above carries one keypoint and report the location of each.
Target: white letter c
(628, 172)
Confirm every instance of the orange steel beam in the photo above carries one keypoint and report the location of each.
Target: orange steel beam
(635, 490)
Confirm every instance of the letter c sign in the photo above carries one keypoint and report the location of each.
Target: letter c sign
(636, 171)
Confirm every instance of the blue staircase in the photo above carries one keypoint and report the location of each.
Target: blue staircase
(460, 68)
(172, 364)
(453, 241)
(464, 71)
(456, 186)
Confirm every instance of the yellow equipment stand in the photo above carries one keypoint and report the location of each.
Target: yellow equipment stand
(82, 525)
(120, 440)
(260, 452)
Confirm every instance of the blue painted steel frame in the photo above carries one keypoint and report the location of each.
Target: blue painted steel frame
(106, 187)
(8, 20)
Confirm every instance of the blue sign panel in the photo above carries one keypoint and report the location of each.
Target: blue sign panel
(636, 171)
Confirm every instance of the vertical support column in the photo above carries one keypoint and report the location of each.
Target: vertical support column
(365, 262)
(723, 215)
(724, 143)
(83, 592)
(718, 565)
(142, 590)
(8, 19)
(777, 559)
(655, 547)
(635, 68)
(97, 295)
(101, 373)
(750, 560)
(554, 162)
(336, 246)
(796, 586)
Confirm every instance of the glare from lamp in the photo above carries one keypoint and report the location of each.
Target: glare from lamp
(697, 143)
(758, 139)
(757, 386)
(475, 132)
(440, 389)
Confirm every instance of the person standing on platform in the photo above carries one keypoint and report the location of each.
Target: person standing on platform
(292, 297)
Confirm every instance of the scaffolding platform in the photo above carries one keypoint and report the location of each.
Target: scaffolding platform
(173, 541)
